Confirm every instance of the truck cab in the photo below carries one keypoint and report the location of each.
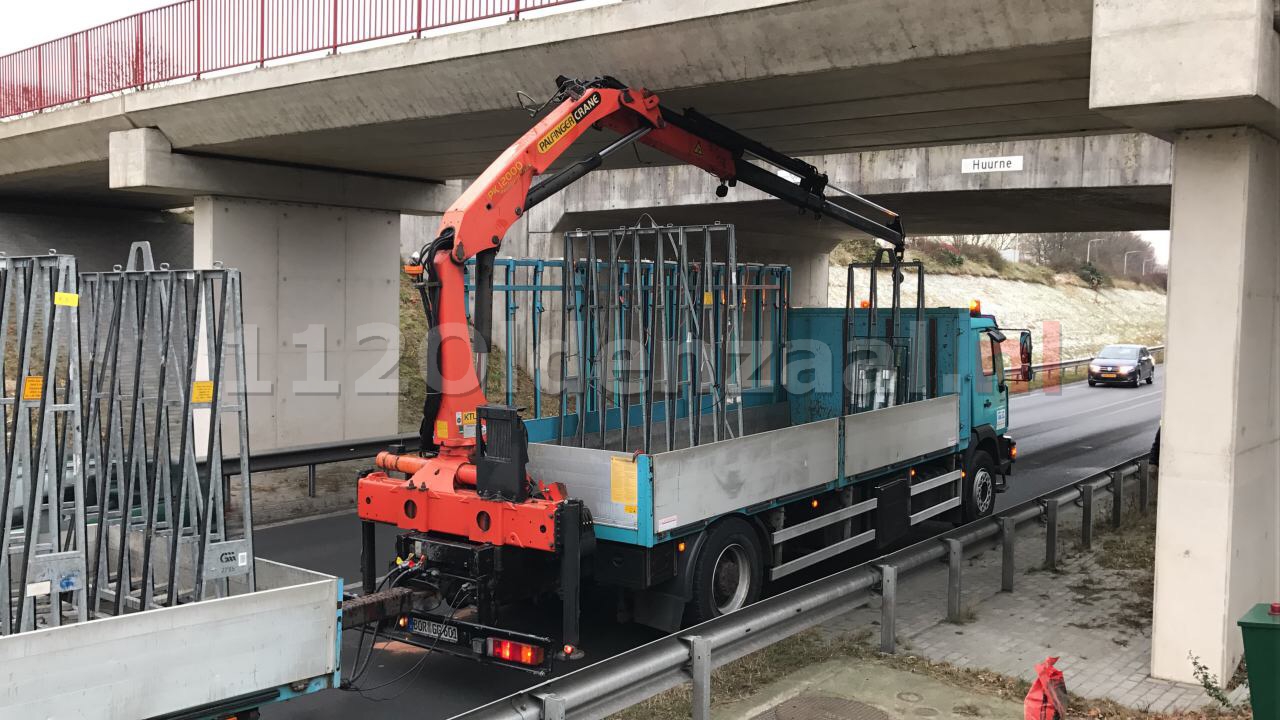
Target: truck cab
(984, 385)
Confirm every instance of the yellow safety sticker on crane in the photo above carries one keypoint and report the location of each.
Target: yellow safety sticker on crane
(442, 429)
(622, 481)
(202, 391)
(67, 299)
(32, 387)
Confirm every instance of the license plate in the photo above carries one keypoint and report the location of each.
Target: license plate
(433, 629)
(1108, 375)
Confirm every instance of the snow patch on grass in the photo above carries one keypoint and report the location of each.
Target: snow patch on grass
(1085, 319)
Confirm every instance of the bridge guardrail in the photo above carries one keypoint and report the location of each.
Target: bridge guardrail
(192, 38)
(626, 679)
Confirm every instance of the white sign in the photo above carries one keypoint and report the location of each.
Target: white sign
(1010, 163)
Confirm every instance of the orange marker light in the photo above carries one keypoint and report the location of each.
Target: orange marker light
(975, 307)
(913, 472)
(813, 503)
(680, 546)
(864, 304)
(1013, 453)
(403, 621)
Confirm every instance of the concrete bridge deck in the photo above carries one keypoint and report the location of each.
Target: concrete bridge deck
(798, 75)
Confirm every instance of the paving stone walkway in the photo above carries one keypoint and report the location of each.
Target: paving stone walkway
(1096, 619)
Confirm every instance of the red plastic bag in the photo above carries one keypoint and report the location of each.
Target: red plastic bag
(1047, 699)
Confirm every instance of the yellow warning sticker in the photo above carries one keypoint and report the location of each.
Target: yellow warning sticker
(32, 387)
(66, 298)
(202, 391)
(622, 481)
(629, 509)
(442, 429)
(708, 299)
(468, 418)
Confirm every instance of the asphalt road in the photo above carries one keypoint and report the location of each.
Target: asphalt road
(1063, 434)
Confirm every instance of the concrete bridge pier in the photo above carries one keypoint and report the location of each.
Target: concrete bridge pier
(319, 253)
(320, 303)
(1207, 79)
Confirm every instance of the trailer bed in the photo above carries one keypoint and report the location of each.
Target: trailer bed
(203, 659)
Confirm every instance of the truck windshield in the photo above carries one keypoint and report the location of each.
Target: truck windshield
(1118, 352)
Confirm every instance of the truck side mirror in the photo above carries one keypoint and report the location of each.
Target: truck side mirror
(1024, 372)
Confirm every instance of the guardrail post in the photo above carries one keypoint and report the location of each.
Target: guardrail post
(1051, 534)
(888, 609)
(700, 671)
(1086, 519)
(1117, 497)
(1144, 485)
(955, 555)
(553, 706)
(311, 481)
(1008, 531)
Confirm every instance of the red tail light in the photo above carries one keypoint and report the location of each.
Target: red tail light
(517, 652)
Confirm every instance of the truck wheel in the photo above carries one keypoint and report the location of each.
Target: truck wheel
(979, 487)
(728, 573)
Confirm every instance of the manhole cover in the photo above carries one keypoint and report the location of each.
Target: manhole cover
(826, 707)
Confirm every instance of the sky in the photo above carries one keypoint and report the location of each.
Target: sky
(23, 24)
(1159, 240)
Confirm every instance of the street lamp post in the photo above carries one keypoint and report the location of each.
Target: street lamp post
(1088, 250)
(1144, 265)
(1126, 260)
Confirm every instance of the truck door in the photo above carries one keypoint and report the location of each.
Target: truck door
(991, 394)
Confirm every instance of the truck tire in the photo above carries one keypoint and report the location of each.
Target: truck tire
(979, 487)
(728, 573)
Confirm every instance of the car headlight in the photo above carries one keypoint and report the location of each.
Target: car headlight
(1095, 368)
(1124, 368)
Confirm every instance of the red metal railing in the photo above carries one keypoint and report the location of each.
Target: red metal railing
(190, 38)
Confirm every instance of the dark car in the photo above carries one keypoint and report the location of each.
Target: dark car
(1122, 365)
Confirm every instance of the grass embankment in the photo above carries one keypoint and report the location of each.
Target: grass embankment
(413, 383)
(940, 258)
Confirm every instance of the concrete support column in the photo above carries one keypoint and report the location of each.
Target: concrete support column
(321, 306)
(1218, 539)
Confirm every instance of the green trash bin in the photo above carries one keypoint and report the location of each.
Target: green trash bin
(1261, 630)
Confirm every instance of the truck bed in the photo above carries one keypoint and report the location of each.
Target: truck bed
(641, 498)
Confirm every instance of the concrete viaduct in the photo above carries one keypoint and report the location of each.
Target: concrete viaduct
(298, 173)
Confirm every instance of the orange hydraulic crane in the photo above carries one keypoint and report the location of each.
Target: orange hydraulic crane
(469, 484)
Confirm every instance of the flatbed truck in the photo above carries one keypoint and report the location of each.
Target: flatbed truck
(912, 424)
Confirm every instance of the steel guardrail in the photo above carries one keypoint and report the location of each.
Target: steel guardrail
(309, 456)
(618, 682)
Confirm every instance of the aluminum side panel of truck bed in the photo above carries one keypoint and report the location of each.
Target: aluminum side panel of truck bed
(894, 435)
(702, 482)
(587, 474)
(170, 659)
